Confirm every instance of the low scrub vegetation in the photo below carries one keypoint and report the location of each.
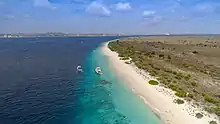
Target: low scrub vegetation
(172, 69)
(211, 99)
(193, 83)
(199, 115)
(187, 77)
(124, 58)
(153, 82)
(190, 95)
(215, 110)
(179, 76)
(195, 52)
(212, 122)
(180, 93)
(179, 101)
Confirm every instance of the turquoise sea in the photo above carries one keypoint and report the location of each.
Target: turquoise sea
(40, 85)
(116, 103)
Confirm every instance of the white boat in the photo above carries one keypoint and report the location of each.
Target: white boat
(98, 70)
(79, 68)
(167, 34)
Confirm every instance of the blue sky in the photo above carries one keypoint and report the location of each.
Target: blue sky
(110, 16)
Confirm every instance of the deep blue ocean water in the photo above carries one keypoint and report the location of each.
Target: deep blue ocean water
(39, 84)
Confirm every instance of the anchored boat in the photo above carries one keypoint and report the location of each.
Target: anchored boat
(79, 68)
(98, 70)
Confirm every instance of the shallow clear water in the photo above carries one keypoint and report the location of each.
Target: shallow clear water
(124, 101)
(39, 84)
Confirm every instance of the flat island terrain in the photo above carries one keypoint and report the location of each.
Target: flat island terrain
(185, 68)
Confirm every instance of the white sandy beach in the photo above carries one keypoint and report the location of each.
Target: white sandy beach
(158, 98)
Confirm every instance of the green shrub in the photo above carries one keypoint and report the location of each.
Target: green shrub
(195, 91)
(199, 115)
(153, 73)
(155, 67)
(165, 77)
(212, 122)
(193, 83)
(179, 101)
(153, 52)
(187, 77)
(180, 93)
(174, 81)
(169, 80)
(190, 95)
(120, 55)
(168, 71)
(215, 110)
(174, 72)
(124, 58)
(210, 109)
(173, 87)
(179, 76)
(169, 57)
(161, 55)
(159, 79)
(153, 82)
(164, 81)
(195, 52)
(185, 65)
(211, 99)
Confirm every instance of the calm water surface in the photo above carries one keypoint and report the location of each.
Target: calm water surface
(39, 84)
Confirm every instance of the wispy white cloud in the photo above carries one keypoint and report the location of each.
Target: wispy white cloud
(175, 6)
(148, 13)
(165, 13)
(98, 9)
(151, 17)
(204, 8)
(183, 18)
(9, 17)
(156, 20)
(123, 6)
(80, 1)
(44, 3)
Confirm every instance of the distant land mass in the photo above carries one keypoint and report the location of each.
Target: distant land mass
(53, 34)
(60, 34)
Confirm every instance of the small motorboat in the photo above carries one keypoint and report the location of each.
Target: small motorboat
(98, 70)
(79, 68)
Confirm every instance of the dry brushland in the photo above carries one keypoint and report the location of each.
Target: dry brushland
(189, 65)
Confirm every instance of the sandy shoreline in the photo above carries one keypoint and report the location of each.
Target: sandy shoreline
(159, 99)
